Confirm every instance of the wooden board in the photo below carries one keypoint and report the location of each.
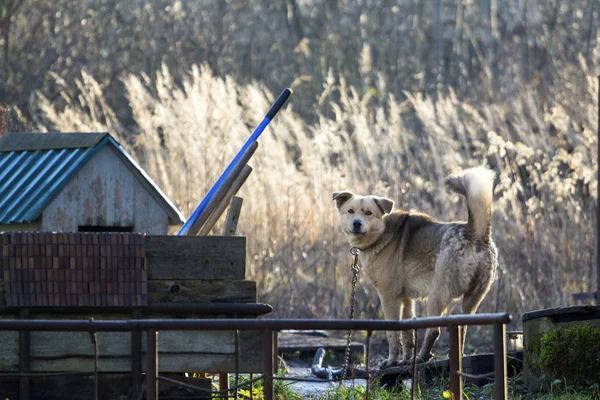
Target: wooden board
(196, 257)
(110, 386)
(179, 351)
(201, 291)
(105, 192)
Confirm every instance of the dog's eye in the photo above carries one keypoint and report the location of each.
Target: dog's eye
(350, 211)
(369, 213)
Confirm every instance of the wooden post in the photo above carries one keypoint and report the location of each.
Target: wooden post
(267, 342)
(500, 361)
(233, 216)
(94, 338)
(136, 357)
(216, 214)
(24, 358)
(152, 364)
(224, 384)
(455, 362)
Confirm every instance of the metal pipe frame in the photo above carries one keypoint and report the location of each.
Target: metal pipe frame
(230, 324)
(238, 309)
(269, 327)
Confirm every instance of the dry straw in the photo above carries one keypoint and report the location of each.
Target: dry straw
(543, 151)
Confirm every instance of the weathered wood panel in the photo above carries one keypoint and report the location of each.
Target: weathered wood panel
(201, 291)
(104, 192)
(189, 291)
(196, 257)
(110, 387)
(9, 351)
(179, 351)
(19, 227)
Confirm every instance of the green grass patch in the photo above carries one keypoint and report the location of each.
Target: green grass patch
(437, 389)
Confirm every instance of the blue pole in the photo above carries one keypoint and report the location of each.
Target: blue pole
(285, 94)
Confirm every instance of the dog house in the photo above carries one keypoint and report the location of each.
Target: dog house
(84, 236)
(77, 182)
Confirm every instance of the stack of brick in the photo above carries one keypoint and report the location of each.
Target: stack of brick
(74, 269)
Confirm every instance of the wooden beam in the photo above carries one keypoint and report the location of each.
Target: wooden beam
(190, 257)
(180, 351)
(201, 291)
(220, 193)
(216, 214)
(233, 215)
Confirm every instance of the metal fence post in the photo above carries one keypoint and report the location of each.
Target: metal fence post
(267, 342)
(24, 358)
(456, 387)
(151, 364)
(500, 361)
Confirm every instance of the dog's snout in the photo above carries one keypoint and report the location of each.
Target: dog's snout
(357, 224)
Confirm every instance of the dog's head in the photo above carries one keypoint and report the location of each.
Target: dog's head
(361, 217)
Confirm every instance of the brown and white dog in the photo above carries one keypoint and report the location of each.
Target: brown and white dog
(408, 255)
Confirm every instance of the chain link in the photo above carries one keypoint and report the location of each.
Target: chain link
(355, 251)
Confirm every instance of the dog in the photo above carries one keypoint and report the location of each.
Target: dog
(407, 255)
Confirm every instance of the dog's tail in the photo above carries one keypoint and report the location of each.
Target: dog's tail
(477, 185)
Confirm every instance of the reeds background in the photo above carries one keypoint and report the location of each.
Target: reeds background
(390, 97)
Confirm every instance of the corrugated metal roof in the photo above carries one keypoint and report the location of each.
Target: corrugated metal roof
(31, 176)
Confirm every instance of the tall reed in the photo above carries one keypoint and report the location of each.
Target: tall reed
(543, 150)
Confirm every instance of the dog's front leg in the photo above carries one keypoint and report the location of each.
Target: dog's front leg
(408, 337)
(391, 311)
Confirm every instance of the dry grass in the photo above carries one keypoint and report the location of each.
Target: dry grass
(543, 149)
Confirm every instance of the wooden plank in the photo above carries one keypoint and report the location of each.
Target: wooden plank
(233, 215)
(189, 257)
(220, 192)
(9, 357)
(216, 214)
(201, 291)
(111, 386)
(179, 351)
(64, 344)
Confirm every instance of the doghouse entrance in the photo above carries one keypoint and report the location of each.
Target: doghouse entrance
(95, 228)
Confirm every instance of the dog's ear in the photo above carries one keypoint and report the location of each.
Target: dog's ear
(341, 197)
(385, 205)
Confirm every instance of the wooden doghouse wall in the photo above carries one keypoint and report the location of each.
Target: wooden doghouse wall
(104, 192)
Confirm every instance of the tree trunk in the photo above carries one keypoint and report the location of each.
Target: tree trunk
(295, 19)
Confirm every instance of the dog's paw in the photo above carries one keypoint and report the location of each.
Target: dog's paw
(424, 358)
(388, 364)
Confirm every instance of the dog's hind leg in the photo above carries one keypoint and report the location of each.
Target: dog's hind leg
(472, 300)
(391, 310)
(408, 337)
(437, 305)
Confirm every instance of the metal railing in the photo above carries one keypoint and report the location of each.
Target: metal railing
(270, 326)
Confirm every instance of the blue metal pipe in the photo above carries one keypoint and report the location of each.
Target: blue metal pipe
(285, 94)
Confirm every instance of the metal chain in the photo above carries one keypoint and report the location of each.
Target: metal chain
(355, 251)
